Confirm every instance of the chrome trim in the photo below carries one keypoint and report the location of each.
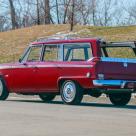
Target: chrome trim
(123, 60)
(118, 44)
(123, 84)
(5, 67)
(91, 59)
(46, 66)
(120, 83)
(107, 82)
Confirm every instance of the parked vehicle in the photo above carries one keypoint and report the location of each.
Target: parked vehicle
(73, 68)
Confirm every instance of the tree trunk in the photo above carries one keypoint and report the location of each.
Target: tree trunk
(72, 16)
(57, 10)
(66, 10)
(47, 12)
(94, 11)
(38, 12)
(13, 15)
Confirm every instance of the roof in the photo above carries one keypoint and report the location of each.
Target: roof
(66, 38)
(65, 41)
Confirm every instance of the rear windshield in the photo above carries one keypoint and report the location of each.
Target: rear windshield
(118, 52)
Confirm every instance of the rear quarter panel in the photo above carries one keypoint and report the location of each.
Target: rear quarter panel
(77, 71)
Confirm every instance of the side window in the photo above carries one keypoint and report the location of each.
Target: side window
(34, 54)
(77, 52)
(51, 53)
(120, 52)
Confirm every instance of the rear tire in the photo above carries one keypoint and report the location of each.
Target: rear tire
(47, 97)
(3, 90)
(71, 93)
(120, 99)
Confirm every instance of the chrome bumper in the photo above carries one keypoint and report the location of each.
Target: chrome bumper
(120, 83)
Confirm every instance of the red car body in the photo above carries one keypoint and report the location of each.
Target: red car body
(97, 72)
(41, 76)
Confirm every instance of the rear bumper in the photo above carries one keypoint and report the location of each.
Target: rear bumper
(115, 83)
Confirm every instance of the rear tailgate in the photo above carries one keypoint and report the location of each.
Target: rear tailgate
(117, 68)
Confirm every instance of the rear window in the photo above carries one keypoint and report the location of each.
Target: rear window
(77, 52)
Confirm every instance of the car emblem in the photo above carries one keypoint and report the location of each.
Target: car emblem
(125, 64)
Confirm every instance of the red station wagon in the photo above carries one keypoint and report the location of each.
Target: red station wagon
(73, 68)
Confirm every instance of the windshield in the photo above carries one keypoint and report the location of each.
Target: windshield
(33, 53)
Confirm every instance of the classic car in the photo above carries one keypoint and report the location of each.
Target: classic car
(72, 68)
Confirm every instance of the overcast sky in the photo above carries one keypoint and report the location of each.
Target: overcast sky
(126, 3)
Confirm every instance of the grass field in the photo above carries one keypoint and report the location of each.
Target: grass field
(13, 43)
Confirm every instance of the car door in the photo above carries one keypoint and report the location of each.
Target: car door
(24, 72)
(48, 71)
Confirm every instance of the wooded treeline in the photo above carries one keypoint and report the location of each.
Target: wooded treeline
(23, 13)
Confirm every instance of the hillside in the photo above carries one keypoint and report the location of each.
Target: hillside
(13, 43)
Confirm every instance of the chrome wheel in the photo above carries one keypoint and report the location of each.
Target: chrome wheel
(69, 91)
(1, 87)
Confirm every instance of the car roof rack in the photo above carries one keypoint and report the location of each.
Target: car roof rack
(58, 36)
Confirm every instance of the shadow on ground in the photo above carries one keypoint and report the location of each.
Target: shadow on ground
(84, 104)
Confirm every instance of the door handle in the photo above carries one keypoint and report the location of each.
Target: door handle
(35, 68)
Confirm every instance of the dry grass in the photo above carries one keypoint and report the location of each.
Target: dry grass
(13, 43)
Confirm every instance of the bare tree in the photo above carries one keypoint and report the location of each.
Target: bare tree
(3, 22)
(57, 11)
(93, 6)
(83, 11)
(38, 12)
(66, 6)
(131, 11)
(25, 13)
(107, 5)
(13, 15)
(105, 12)
(72, 15)
(47, 12)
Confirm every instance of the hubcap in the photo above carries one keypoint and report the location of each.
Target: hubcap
(1, 87)
(69, 91)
